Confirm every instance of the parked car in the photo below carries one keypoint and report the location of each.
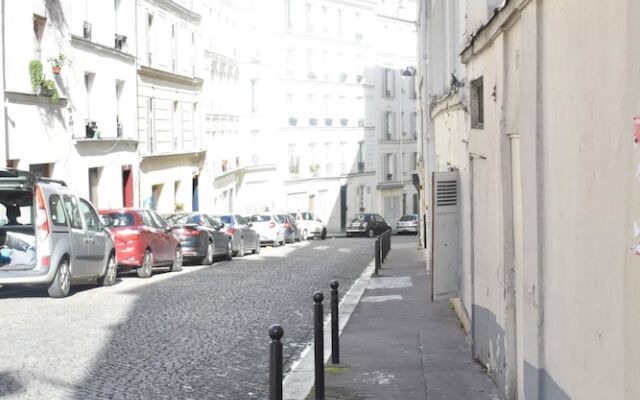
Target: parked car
(269, 227)
(244, 238)
(51, 236)
(144, 240)
(291, 231)
(201, 237)
(367, 225)
(310, 226)
(407, 223)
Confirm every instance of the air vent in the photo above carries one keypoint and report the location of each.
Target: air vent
(447, 193)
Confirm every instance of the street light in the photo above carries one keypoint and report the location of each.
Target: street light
(409, 71)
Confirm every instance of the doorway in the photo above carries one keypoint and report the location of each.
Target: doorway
(195, 201)
(127, 186)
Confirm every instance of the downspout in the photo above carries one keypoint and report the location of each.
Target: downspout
(5, 141)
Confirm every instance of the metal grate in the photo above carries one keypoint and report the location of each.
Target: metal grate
(447, 193)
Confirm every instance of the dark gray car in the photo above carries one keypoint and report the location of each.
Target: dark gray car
(244, 237)
(201, 237)
(51, 236)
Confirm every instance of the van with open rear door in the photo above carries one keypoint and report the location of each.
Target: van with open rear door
(50, 236)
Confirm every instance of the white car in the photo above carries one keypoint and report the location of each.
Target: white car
(408, 223)
(310, 226)
(269, 228)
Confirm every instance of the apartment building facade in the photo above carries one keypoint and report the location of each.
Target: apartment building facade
(72, 58)
(169, 105)
(536, 149)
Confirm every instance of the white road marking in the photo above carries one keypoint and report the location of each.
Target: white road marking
(392, 282)
(321, 247)
(380, 299)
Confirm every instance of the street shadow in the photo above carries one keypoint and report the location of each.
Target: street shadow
(550, 388)
(9, 385)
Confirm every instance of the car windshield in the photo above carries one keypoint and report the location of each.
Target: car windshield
(184, 219)
(121, 219)
(226, 219)
(281, 218)
(408, 218)
(261, 218)
(358, 218)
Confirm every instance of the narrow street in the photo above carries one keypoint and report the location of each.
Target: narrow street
(200, 333)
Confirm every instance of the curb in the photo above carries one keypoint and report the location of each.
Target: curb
(299, 381)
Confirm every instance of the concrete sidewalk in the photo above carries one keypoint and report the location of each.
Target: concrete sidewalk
(399, 345)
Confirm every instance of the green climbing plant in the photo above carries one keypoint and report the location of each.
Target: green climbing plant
(51, 88)
(35, 72)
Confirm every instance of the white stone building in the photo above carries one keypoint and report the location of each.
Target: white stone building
(96, 86)
(169, 104)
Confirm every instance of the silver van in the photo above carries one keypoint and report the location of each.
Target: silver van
(51, 236)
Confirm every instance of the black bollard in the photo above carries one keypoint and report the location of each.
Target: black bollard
(275, 366)
(318, 336)
(377, 255)
(335, 334)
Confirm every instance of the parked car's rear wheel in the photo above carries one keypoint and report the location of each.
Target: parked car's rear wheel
(109, 277)
(62, 281)
(146, 269)
(229, 255)
(323, 235)
(305, 235)
(257, 249)
(370, 232)
(177, 261)
(241, 248)
(208, 259)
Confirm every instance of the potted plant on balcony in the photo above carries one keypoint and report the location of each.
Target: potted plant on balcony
(314, 169)
(344, 121)
(342, 76)
(58, 62)
(293, 121)
(90, 129)
(328, 121)
(359, 78)
(313, 121)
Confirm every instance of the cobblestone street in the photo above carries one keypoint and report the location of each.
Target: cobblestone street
(200, 333)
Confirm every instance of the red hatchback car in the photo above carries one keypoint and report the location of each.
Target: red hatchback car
(143, 240)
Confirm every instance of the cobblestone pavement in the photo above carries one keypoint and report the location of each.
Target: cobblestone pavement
(196, 334)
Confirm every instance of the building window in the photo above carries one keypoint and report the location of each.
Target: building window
(119, 89)
(477, 104)
(414, 123)
(388, 82)
(294, 160)
(311, 64)
(309, 15)
(149, 39)
(314, 166)
(325, 24)
(328, 167)
(388, 167)
(287, 14)
(340, 30)
(388, 123)
(94, 183)
(289, 62)
(253, 96)
(39, 23)
(88, 85)
(412, 87)
(343, 157)
(360, 157)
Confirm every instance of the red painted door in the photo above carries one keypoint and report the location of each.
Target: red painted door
(127, 188)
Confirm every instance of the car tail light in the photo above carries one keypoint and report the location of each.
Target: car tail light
(231, 231)
(364, 224)
(272, 224)
(193, 232)
(130, 234)
(43, 230)
(286, 225)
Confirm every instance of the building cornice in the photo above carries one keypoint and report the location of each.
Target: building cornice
(503, 16)
(246, 169)
(172, 154)
(33, 99)
(175, 8)
(169, 76)
(101, 49)
(397, 19)
(111, 141)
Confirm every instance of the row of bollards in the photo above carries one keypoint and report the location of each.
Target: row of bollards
(276, 332)
(382, 248)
